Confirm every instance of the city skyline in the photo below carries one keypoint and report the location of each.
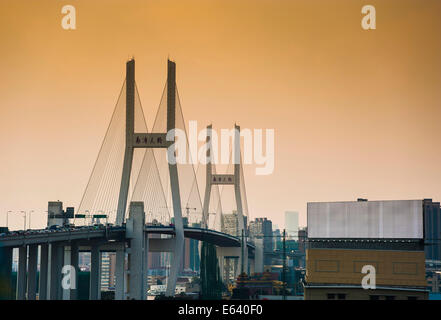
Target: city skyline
(344, 102)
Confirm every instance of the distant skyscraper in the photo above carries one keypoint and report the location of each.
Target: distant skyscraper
(230, 224)
(105, 271)
(277, 238)
(432, 227)
(292, 224)
(262, 228)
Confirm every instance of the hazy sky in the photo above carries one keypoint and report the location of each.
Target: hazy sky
(356, 113)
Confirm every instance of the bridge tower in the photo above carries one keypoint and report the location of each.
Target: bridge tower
(227, 179)
(153, 140)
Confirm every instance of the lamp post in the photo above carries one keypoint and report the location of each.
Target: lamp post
(284, 265)
(24, 216)
(102, 213)
(87, 212)
(7, 217)
(30, 212)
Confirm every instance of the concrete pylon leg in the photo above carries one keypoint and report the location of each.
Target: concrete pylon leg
(32, 272)
(74, 254)
(174, 182)
(44, 267)
(21, 276)
(6, 273)
(120, 273)
(95, 261)
(130, 130)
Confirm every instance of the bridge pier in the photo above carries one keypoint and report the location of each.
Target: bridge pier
(32, 272)
(95, 266)
(56, 263)
(70, 254)
(120, 273)
(146, 265)
(226, 270)
(44, 267)
(5, 273)
(231, 252)
(138, 251)
(21, 275)
(225, 256)
(258, 256)
(74, 255)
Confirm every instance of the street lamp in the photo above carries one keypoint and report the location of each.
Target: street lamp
(87, 212)
(7, 214)
(24, 216)
(102, 214)
(32, 211)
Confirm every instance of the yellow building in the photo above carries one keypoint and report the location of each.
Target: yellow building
(337, 274)
(365, 251)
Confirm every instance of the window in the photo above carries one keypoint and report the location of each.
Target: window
(341, 296)
(374, 297)
(412, 298)
(389, 297)
(331, 296)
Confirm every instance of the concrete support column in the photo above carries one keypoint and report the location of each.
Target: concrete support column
(221, 262)
(60, 264)
(95, 267)
(6, 273)
(243, 255)
(44, 267)
(56, 260)
(65, 291)
(137, 253)
(232, 253)
(146, 266)
(226, 278)
(251, 265)
(74, 254)
(21, 276)
(236, 268)
(258, 256)
(32, 272)
(120, 273)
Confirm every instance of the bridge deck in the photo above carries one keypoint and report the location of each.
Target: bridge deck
(113, 234)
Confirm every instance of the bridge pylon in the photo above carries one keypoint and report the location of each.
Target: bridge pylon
(153, 140)
(213, 179)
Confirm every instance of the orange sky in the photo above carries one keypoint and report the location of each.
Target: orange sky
(356, 113)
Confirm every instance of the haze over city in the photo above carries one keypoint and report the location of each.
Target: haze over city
(355, 113)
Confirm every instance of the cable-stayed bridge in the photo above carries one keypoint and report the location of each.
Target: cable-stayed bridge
(141, 192)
